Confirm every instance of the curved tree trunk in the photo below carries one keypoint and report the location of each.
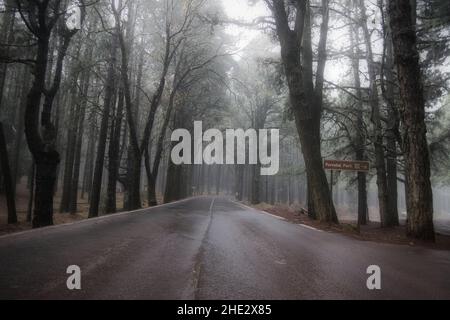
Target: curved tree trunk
(45, 157)
(305, 98)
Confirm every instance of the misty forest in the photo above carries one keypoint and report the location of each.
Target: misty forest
(91, 90)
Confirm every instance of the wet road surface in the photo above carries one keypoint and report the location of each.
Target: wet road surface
(211, 248)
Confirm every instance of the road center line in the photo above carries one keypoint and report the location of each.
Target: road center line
(198, 258)
(211, 206)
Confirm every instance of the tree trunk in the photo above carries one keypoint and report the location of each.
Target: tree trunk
(46, 164)
(31, 194)
(42, 143)
(73, 120)
(417, 171)
(360, 148)
(306, 101)
(45, 157)
(135, 152)
(134, 181)
(20, 129)
(310, 202)
(101, 147)
(151, 180)
(178, 179)
(256, 176)
(152, 172)
(173, 184)
(218, 180)
(70, 151)
(239, 182)
(89, 163)
(385, 215)
(113, 155)
(259, 122)
(73, 207)
(6, 172)
(391, 138)
(81, 116)
(6, 36)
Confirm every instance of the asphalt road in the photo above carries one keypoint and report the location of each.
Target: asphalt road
(211, 248)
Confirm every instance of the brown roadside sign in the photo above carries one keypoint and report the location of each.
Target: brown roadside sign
(341, 165)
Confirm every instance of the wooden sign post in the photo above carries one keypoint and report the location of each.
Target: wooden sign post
(344, 165)
(341, 165)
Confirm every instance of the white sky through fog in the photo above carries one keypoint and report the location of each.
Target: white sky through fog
(241, 10)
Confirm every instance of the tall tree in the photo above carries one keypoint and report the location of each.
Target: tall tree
(388, 87)
(360, 143)
(80, 119)
(417, 172)
(305, 95)
(41, 19)
(109, 100)
(73, 113)
(178, 21)
(374, 100)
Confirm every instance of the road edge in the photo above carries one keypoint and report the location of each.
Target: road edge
(103, 217)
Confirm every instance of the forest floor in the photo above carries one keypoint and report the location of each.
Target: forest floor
(371, 232)
(22, 207)
(58, 218)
